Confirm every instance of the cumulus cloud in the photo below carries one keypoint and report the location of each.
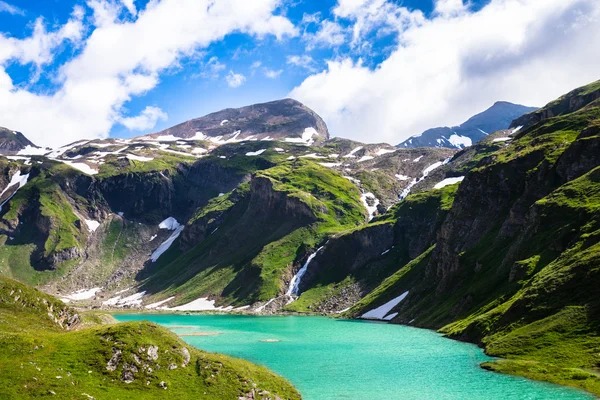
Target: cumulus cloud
(130, 6)
(304, 61)
(146, 120)
(11, 9)
(235, 80)
(369, 15)
(272, 74)
(119, 59)
(38, 49)
(211, 68)
(329, 34)
(454, 64)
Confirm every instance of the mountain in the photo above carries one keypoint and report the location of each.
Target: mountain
(286, 120)
(497, 117)
(513, 264)
(11, 142)
(89, 214)
(496, 244)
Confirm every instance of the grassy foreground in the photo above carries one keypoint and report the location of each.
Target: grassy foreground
(47, 351)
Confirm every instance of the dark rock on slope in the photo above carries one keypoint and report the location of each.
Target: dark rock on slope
(11, 141)
(497, 117)
(515, 264)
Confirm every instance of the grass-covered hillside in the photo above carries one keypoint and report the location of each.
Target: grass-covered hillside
(515, 263)
(243, 246)
(47, 351)
(352, 263)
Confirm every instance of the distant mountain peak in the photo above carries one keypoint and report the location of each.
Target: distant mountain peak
(284, 120)
(498, 117)
(11, 142)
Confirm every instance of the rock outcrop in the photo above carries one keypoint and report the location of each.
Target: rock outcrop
(278, 120)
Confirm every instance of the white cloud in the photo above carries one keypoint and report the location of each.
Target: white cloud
(9, 8)
(304, 61)
(314, 18)
(146, 120)
(450, 7)
(456, 64)
(329, 34)
(370, 15)
(120, 59)
(211, 68)
(130, 6)
(272, 74)
(235, 80)
(38, 49)
(256, 64)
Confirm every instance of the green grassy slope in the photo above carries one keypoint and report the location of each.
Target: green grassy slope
(271, 223)
(40, 358)
(516, 263)
(365, 256)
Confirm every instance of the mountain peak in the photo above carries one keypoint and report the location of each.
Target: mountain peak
(497, 117)
(285, 120)
(11, 142)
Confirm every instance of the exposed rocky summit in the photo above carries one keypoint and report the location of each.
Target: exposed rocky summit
(12, 141)
(285, 120)
(497, 117)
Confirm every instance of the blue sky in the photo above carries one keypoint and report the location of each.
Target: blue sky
(376, 70)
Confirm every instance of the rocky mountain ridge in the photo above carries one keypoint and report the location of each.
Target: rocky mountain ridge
(285, 120)
(498, 117)
(494, 244)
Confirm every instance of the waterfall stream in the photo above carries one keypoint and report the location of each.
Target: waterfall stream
(295, 282)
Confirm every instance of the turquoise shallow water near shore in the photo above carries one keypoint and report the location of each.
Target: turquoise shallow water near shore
(329, 359)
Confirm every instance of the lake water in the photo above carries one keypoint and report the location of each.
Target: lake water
(330, 359)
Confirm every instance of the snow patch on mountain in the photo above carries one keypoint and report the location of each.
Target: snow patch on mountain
(139, 158)
(86, 169)
(32, 151)
(133, 300)
(159, 303)
(92, 225)
(460, 141)
(448, 181)
(16, 180)
(255, 153)
(381, 311)
(353, 152)
(307, 137)
(372, 209)
(170, 224)
(201, 304)
(381, 152)
(83, 294)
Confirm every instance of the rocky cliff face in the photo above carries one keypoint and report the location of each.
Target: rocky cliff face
(11, 142)
(352, 264)
(277, 120)
(515, 258)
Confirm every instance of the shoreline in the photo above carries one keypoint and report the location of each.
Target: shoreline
(505, 366)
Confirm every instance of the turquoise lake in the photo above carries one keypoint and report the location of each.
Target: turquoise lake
(329, 359)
